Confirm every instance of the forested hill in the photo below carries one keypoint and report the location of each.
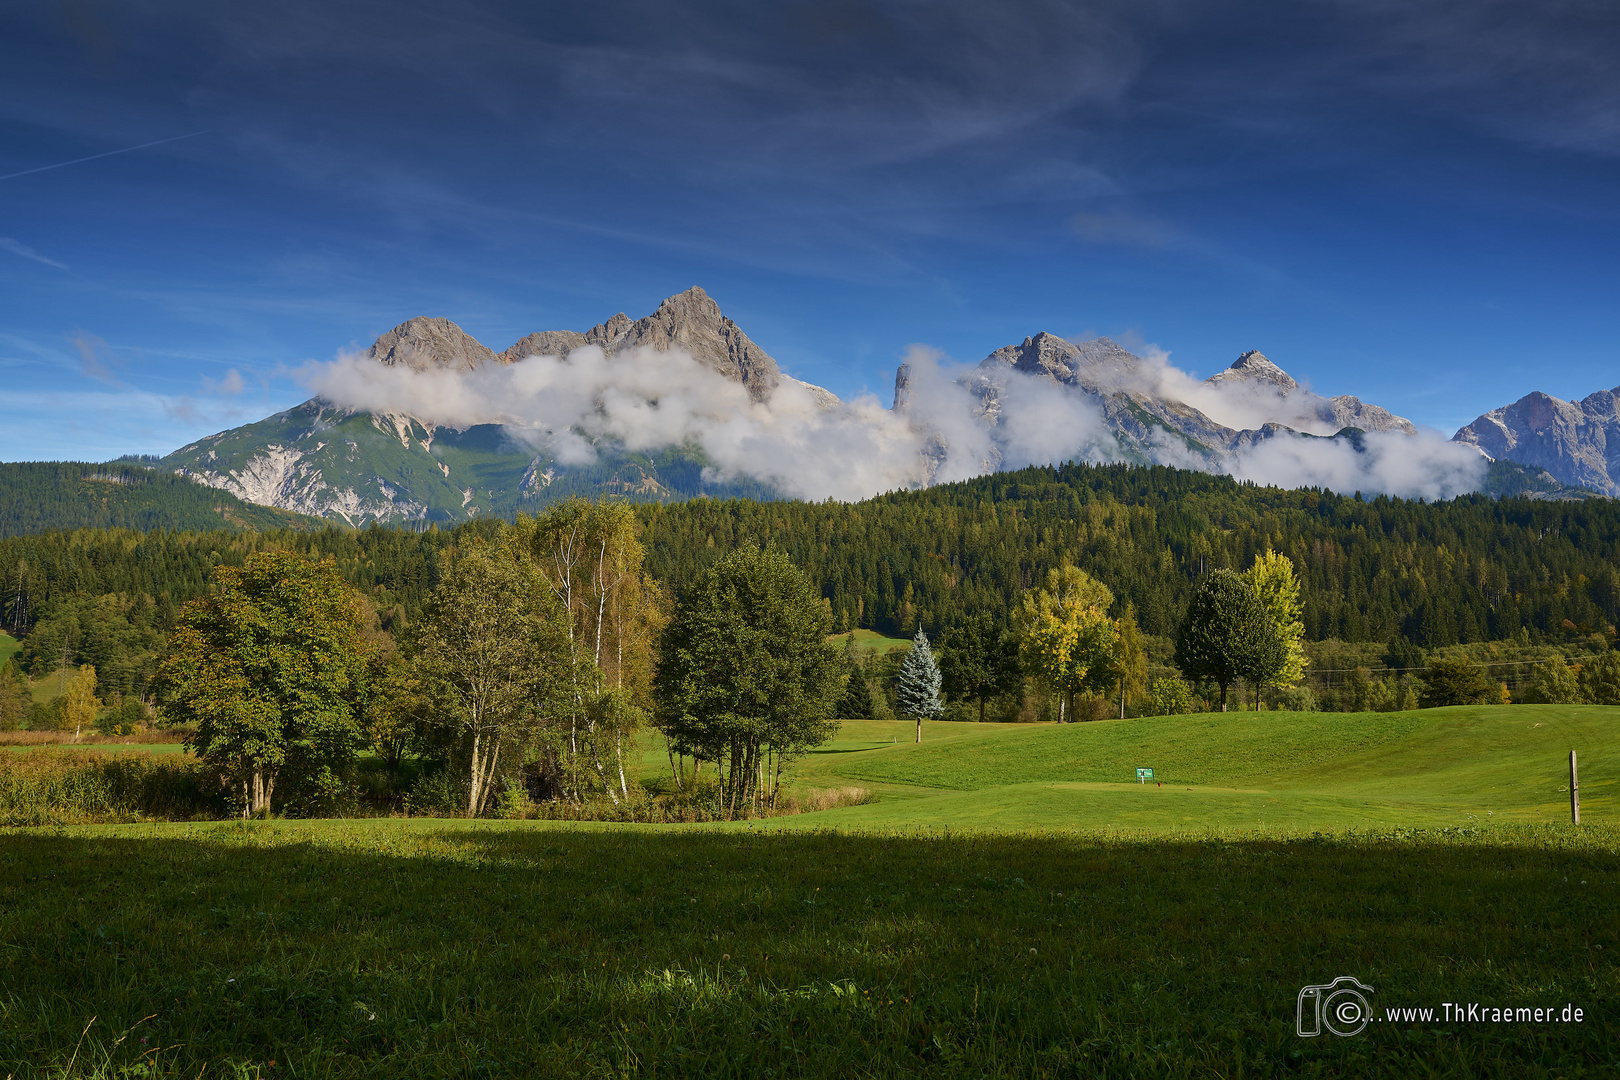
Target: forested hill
(37, 496)
(1474, 569)
(1468, 570)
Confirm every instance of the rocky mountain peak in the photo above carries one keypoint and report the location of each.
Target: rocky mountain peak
(1578, 442)
(422, 343)
(1095, 365)
(1253, 366)
(693, 321)
(690, 320)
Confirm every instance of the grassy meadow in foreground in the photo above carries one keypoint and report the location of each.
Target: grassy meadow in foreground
(425, 948)
(1013, 905)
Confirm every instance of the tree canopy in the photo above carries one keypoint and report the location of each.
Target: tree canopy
(1228, 634)
(494, 653)
(268, 669)
(1455, 682)
(746, 677)
(1066, 637)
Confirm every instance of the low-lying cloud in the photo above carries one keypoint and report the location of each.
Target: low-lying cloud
(646, 400)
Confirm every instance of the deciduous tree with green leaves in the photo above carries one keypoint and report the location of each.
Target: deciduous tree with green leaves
(1065, 636)
(14, 697)
(1171, 696)
(1600, 679)
(79, 701)
(1553, 682)
(268, 669)
(589, 556)
(746, 677)
(1228, 634)
(1129, 666)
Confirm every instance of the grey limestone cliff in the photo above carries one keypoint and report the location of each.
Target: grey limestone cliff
(421, 343)
(1578, 442)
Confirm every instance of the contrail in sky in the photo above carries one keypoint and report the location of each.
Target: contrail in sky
(109, 153)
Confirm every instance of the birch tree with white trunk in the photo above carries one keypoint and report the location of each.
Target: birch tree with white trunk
(496, 647)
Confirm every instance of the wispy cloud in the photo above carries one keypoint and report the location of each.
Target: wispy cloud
(230, 385)
(95, 357)
(17, 247)
(1121, 228)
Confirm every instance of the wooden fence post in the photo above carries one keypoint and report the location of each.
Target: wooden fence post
(1574, 792)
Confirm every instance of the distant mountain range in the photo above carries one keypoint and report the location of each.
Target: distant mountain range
(339, 461)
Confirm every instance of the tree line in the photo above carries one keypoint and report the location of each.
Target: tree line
(949, 560)
(541, 652)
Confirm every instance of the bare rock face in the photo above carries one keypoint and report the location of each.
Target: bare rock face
(691, 320)
(1143, 420)
(1252, 367)
(1577, 442)
(423, 343)
(1099, 366)
(688, 320)
(545, 343)
(1347, 411)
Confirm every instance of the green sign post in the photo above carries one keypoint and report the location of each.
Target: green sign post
(1144, 775)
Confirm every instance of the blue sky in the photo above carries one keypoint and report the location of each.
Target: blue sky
(1415, 202)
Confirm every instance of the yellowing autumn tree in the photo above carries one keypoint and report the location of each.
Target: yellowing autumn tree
(1065, 636)
(1272, 577)
(79, 701)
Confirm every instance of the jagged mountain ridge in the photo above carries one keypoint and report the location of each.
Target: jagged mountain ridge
(354, 466)
(1146, 422)
(1577, 442)
(346, 464)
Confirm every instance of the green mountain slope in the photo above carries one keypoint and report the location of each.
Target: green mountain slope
(37, 496)
(361, 467)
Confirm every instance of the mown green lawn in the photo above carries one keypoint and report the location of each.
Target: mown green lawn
(872, 641)
(1434, 767)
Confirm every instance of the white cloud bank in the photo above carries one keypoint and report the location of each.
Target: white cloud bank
(645, 400)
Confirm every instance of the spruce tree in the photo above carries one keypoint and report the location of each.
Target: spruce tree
(856, 702)
(918, 693)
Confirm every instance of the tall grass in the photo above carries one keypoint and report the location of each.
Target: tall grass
(59, 786)
(166, 736)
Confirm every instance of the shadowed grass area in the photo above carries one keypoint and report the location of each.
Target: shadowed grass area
(416, 948)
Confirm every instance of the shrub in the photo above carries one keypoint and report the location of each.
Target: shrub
(437, 794)
(1170, 697)
(1296, 699)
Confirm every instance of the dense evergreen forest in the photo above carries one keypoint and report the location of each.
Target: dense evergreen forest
(47, 495)
(1473, 569)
